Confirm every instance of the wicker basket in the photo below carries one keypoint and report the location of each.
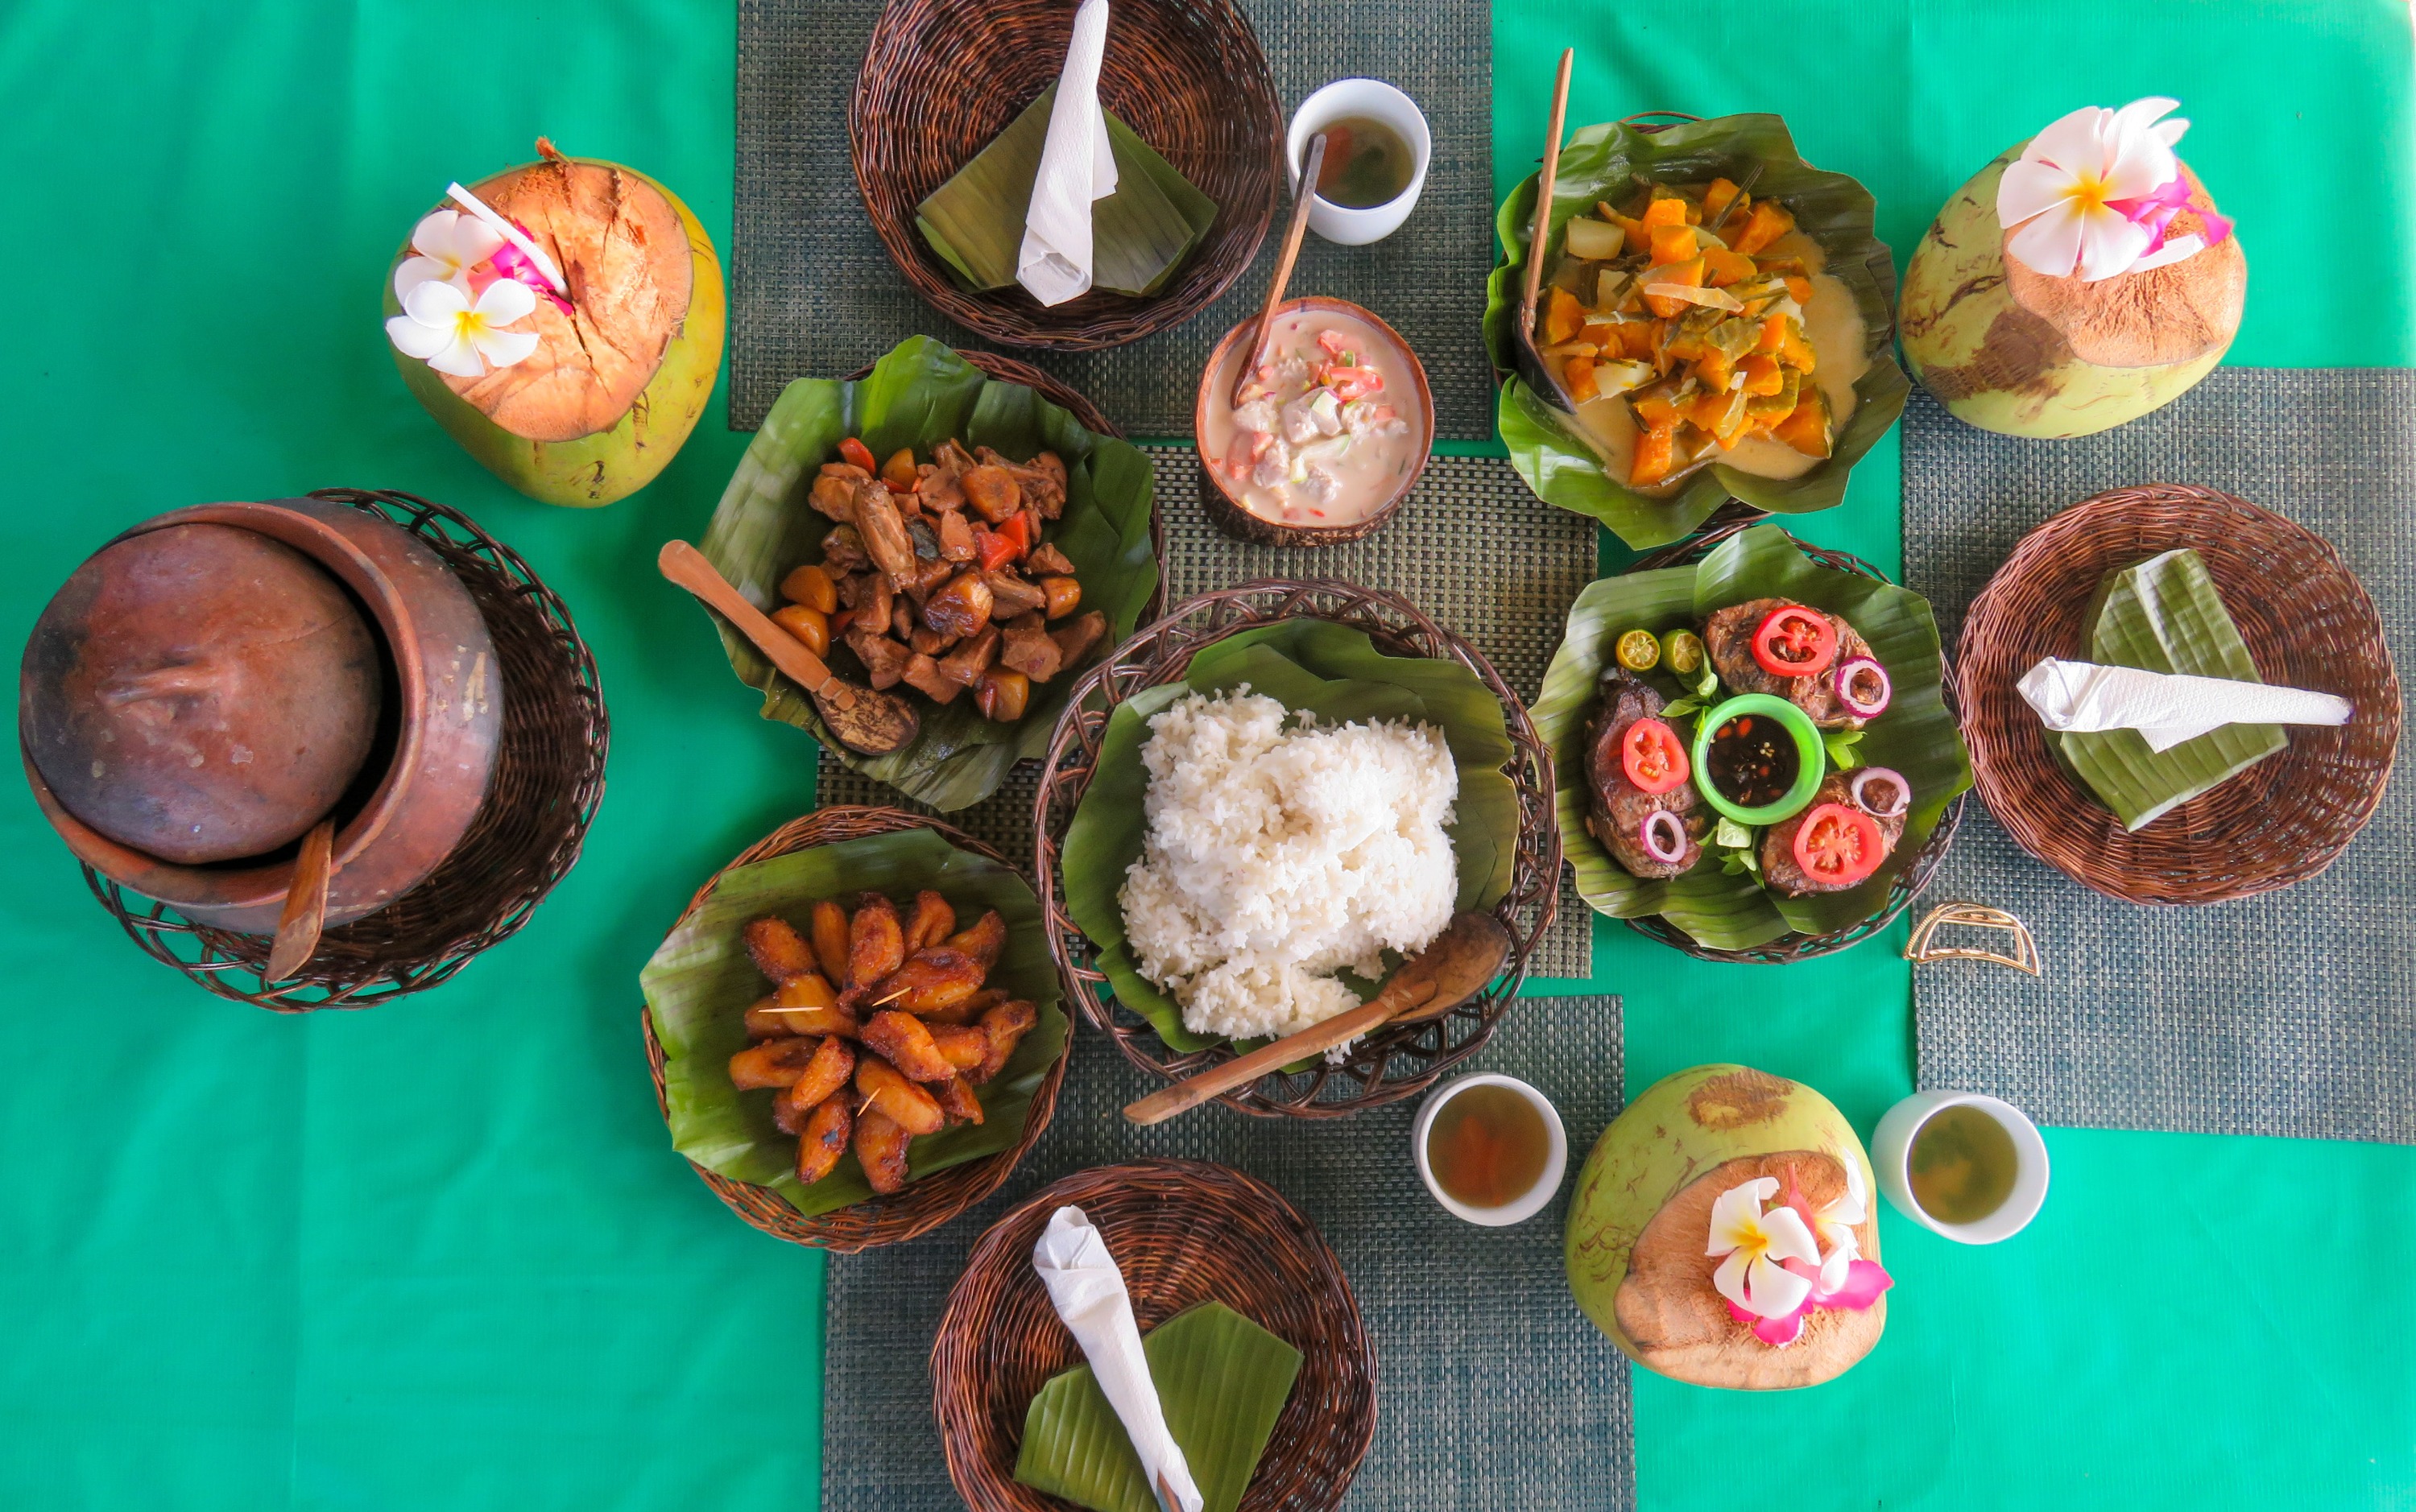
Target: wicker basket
(2308, 623)
(1395, 1062)
(942, 78)
(1182, 1232)
(926, 1201)
(548, 780)
(1908, 882)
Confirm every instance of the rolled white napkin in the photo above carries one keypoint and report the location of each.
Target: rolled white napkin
(2166, 707)
(1076, 167)
(1089, 1291)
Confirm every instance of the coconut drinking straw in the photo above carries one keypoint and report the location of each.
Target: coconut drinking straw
(513, 234)
(1544, 182)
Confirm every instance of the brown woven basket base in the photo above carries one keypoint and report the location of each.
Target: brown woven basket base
(548, 781)
(1909, 883)
(2308, 623)
(1182, 1232)
(1393, 1063)
(926, 1201)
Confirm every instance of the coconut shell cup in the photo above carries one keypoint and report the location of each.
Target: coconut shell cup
(428, 763)
(1225, 507)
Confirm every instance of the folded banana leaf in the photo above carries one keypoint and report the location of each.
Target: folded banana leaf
(1222, 1381)
(1336, 672)
(1917, 735)
(1602, 162)
(699, 985)
(1140, 234)
(2164, 614)
(918, 396)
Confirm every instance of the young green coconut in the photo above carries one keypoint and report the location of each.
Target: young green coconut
(572, 353)
(1722, 1234)
(2078, 281)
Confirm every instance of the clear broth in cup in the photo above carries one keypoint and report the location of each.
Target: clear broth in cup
(1962, 1164)
(1367, 163)
(1487, 1147)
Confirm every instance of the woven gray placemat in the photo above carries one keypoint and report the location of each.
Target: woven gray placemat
(1493, 1391)
(2292, 1013)
(813, 293)
(1509, 598)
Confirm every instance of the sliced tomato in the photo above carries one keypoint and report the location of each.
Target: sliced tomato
(1651, 756)
(1838, 846)
(1794, 641)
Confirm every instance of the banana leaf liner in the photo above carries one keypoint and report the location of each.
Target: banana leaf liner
(1603, 162)
(1918, 735)
(1336, 672)
(920, 395)
(700, 983)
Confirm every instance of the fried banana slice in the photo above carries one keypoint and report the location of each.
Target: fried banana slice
(892, 1094)
(982, 941)
(901, 1040)
(880, 1147)
(823, 1139)
(966, 1012)
(776, 949)
(772, 1063)
(830, 940)
(932, 921)
(930, 982)
(876, 944)
(768, 1019)
(1006, 1025)
(958, 1101)
(964, 1046)
(826, 1075)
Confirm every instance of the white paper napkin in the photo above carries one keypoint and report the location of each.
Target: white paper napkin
(2164, 708)
(1089, 1291)
(1076, 168)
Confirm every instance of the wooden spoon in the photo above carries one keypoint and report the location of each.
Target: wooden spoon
(874, 723)
(1534, 368)
(1298, 226)
(306, 904)
(1465, 957)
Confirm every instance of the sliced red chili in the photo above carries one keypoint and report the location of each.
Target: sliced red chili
(1838, 846)
(1651, 756)
(1794, 641)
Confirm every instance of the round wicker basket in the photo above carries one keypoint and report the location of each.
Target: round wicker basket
(1393, 1063)
(2308, 623)
(1182, 1232)
(1909, 883)
(548, 781)
(925, 1203)
(942, 78)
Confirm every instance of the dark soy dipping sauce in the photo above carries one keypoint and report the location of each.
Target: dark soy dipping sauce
(1753, 761)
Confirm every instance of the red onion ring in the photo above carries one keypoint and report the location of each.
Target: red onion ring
(1903, 791)
(1843, 682)
(1668, 852)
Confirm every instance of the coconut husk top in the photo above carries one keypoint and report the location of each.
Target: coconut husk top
(199, 693)
(621, 248)
(2147, 319)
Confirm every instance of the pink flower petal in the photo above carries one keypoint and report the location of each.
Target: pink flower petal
(2050, 242)
(1864, 1281)
(2217, 226)
(1780, 1332)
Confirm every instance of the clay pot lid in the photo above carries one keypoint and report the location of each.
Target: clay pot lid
(199, 693)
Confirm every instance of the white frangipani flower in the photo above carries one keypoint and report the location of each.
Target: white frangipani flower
(449, 245)
(439, 326)
(1836, 1221)
(1756, 1244)
(2073, 201)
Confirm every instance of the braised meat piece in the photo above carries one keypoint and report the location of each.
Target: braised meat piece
(869, 595)
(962, 606)
(1010, 595)
(1779, 868)
(1728, 639)
(1033, 652)
(972, 657)
(1047, 562)
(924, 676)
(844, 551)
(885, 660)
(884, 530)
(1075, 638)
(1619, 809)
(956, 537)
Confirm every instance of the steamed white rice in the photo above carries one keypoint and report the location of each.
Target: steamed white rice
(1275, 857)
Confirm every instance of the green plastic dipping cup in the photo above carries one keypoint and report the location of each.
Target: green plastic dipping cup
(1811, 765)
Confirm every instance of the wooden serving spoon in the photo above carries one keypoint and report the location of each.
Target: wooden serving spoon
(304, 916)
(1535, 367)
(1463, 958)
(873, 724)
(1293, 230)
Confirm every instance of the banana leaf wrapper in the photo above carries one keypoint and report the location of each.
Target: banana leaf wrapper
(1336, 672)
(1222, 1381)
(700, 983)
(2165, 615)
(918, 396)
(1917, 735)
(1602, 162)
(1139, 235)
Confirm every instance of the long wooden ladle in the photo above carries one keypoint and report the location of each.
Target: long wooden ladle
(1535, 367)
(1293, 230)
(1455, 967)
(874, 723)
(305, 915)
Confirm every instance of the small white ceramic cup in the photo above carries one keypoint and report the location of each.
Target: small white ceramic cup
(1892, 1155)
(1556, 1161)
(1375, 98)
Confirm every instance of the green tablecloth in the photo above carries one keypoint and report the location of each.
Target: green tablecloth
(439, 1256)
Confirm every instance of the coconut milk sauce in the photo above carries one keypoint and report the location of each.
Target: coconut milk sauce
(1318, 469)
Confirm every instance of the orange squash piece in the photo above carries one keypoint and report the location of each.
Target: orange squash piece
(1667, 210)
(1793, 351)
(1800, 287)
(1577, 373)
(1713, 370)
(1563, 317)
(1689, 273)
(1808, 428)
(1657, 413)
(1763, 377)
(1722, 267)
(1655, 450)
(1774, 333)
(1673, 244)
(1765, 223)
(1716, 199)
